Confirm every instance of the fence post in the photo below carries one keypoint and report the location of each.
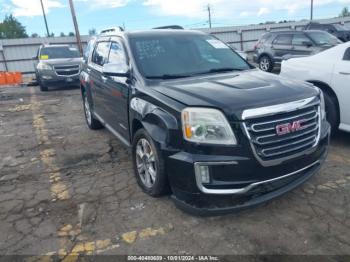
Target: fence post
(3, 55)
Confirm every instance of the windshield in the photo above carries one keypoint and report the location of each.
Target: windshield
(339, 27)
(181, 55)
(59, 52)
(323, 38)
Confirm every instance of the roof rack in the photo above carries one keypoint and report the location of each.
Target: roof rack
(170, 27)
(112, 30)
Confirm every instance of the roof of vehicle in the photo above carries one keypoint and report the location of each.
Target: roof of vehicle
(55, 45)
(295, 31)
(153, 32)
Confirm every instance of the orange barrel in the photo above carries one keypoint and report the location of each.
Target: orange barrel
(2, 79)
(18, 77)
(10, 79)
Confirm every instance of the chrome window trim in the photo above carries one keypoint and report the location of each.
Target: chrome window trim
(280, 109)
(244, 190)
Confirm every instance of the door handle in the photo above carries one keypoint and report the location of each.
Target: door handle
(345, 73)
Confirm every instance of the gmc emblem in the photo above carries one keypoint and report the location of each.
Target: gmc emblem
(290, 127)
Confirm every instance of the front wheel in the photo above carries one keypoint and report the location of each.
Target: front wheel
(331, 112)
(148, 165)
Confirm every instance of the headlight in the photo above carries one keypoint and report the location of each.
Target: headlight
(44, 66)
(323, 105)
(206, 126)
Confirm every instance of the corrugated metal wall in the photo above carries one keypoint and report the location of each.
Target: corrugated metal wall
(19, 53)
(245, 37)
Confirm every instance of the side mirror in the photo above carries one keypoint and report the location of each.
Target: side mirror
(116, 69)
(34, 58)
(307, 43)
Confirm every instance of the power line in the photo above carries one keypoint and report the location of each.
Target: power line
(47, 28)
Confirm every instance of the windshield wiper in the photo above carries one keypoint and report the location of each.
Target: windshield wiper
(164, 77)
(225, 69)
(219, 70)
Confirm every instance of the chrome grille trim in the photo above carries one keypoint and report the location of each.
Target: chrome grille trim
(282, 120)
(281, 140)
(67, 70)
(289, 143)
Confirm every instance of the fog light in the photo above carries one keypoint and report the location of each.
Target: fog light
(204, 174)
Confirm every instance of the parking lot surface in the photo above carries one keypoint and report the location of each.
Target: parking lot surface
(67, 190)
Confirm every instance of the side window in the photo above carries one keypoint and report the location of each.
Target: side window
(283, 40)
(300, 39)
(117, 54)
(347, 55)
(100, 55)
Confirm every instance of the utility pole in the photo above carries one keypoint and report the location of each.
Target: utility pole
(47, 28)
(312, 10)
(209, 14)
(77, 34)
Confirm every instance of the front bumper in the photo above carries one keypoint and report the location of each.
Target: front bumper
(238, 182)
(50, 78)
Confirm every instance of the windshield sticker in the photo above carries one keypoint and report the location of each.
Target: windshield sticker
(217, 44)
(44, 57)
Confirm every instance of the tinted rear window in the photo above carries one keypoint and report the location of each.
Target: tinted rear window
(59, 52)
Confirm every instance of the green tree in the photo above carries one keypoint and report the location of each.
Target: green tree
(35, 35)
(345, 12)
(62, 34)
(12, 28)
(71, 34)
(92, 32)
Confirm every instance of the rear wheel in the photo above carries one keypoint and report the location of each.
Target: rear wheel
(90, 120)
(149, 165)
(265, 63)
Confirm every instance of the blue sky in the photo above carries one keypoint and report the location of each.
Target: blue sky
(143, 14)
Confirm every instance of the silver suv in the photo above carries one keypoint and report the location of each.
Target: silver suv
(274, 47)
(58, 66)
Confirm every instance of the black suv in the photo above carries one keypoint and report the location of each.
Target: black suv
(339, 31)
(201, 122)
(274, 47)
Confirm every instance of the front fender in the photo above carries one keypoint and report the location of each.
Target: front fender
(160, 124)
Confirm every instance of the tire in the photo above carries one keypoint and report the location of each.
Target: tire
(331, 112)
(148, 159)
(265, 63)
(92, 123)
(43, 88)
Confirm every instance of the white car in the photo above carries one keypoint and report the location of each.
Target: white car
(330, 71)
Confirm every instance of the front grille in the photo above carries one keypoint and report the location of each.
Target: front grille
(67, 70)
(269, 144)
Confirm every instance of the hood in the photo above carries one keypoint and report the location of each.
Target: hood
(64, 61)
(235, 92)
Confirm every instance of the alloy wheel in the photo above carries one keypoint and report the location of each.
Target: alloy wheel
(264, 64)
(146, 163)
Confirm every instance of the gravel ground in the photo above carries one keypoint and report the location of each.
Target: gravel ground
(67, 190)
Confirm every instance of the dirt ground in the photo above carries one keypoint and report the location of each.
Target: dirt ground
(67, 190)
